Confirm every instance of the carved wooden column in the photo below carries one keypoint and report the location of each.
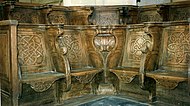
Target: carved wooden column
(104, 42)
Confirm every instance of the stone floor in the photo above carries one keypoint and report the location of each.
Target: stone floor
(109, 100)
(113, 101)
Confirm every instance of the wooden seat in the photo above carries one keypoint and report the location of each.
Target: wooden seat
(79, 66)
(125, 74)
(169, 67)
(173, 58)
(168, 79)
(30, 63)
(138, 36)
(130, 64)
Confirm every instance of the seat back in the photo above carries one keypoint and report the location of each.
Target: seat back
(74, 39)
(33, 54)
(175, 47)
(135, 40)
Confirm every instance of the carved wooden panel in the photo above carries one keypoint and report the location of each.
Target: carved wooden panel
(179, 13)
(75, 43)
(24, 15)
(176, 50)
(136, 39)
(94, 56)
(114, 58)
(149, 16)
(32, 54)
(79, 15)
(5, 73)
(58, 17)
(105, 16)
